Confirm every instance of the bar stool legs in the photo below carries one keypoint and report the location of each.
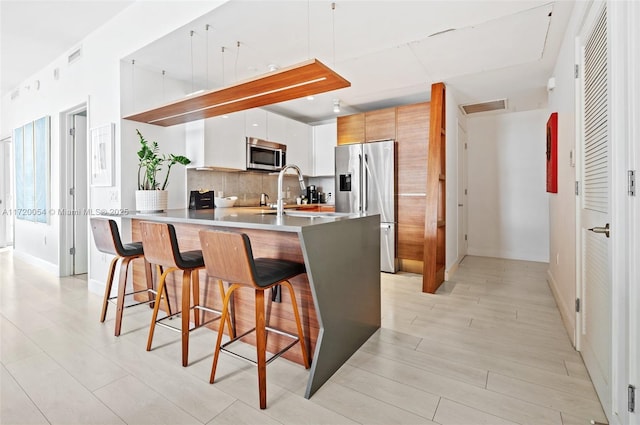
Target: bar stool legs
(261, 337)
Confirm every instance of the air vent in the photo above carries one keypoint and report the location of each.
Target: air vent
(75, 55)
(494, 105)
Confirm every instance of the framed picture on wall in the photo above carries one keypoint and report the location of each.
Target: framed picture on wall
(552, 153)
(102, 155)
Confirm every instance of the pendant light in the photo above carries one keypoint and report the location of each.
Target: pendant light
(301, 80)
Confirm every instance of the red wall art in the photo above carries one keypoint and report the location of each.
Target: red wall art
(552, 153)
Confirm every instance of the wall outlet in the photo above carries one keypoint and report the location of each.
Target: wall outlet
(113, 195)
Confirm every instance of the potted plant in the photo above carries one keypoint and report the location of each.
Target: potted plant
(152, 196)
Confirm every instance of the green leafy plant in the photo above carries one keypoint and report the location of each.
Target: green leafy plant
(150, 164)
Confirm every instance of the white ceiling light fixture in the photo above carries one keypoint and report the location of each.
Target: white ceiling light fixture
(336, 106)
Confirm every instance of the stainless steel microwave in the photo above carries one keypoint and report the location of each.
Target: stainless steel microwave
(264, 155)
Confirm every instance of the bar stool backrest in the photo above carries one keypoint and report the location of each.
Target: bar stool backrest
(228, 256)
(160, 243)
(106, 236)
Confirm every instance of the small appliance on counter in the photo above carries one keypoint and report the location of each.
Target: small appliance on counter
(312, 194)
(201, 200)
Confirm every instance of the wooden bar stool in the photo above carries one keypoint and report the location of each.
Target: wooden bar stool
(161, 248)
(107, 239)
(228, 257)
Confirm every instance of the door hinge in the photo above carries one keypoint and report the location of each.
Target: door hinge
(577, 188)
(465, 146)
(72, 251)
(632, 182)
(576, 71)
(465, 237)
(72, 132)
(465, 191)
(631, 394)
(72, 191)
(577, 305)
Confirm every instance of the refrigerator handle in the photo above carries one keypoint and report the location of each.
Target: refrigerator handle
(365, 189)
(360, 184)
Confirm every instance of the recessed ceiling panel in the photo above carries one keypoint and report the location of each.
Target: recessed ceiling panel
(499, 43)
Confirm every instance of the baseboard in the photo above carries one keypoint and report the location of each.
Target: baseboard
(451, 271)
(96, 286)
(567, 313)
(38, 262)
(410, 266)
(507, 255)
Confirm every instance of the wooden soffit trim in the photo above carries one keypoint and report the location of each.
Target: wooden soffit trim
(300, 80)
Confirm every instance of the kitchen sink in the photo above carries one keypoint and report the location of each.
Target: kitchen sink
(311, 214)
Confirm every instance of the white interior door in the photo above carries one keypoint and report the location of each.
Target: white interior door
(462, 193)
(80, 190)
(594, 204)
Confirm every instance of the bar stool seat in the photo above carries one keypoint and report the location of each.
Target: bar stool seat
(228, 256)
(107, 240)
(161, 248)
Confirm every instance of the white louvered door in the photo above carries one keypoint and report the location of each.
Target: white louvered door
(595, 341)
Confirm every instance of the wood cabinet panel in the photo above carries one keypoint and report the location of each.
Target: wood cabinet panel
(380, 124)
(412, 145)
(411, 227)
(351, 129)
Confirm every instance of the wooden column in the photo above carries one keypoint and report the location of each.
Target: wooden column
(435, 225)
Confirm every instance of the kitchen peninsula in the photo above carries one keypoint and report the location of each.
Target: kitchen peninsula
(339, 296)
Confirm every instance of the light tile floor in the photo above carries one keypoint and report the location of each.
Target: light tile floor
(489, 348)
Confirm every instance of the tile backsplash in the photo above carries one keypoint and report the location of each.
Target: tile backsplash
(248, 185)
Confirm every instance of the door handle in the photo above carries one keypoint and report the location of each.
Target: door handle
(604, 230)
(460, 205)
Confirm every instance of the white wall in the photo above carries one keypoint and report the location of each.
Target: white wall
(93, 79)
(562, 206)
(508, 203)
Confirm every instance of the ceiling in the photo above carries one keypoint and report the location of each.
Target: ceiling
(390, 51)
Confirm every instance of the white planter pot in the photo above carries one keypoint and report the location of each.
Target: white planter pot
(151, 201)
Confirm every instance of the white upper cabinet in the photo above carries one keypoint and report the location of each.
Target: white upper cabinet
(325, 139)
(298, 141)
(276, 127)
(218, 142)
(256, 123)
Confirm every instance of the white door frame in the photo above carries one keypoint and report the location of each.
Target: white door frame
(622, 33)
(625, 83)
(6, 209)
(463, 205)
(66, 181)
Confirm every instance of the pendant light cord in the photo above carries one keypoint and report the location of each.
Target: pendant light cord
(206, 55)
(222, 61)
(192, 88)
(133, 85)
(308, 29)
(333, 30)
(235, 68)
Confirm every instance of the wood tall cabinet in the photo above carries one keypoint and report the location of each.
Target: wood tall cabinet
(409, 126)
(412, 138)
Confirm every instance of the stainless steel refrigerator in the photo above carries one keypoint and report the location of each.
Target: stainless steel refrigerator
(365, 183)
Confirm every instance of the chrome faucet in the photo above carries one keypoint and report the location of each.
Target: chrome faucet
(280, 204)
